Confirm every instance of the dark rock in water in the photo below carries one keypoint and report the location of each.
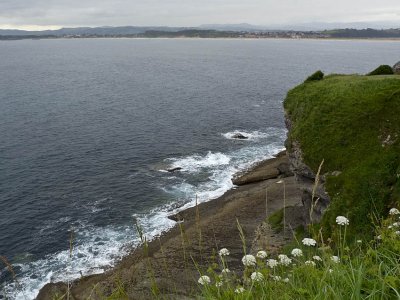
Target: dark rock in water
(174, 169)
(396, 68)
(239, 136)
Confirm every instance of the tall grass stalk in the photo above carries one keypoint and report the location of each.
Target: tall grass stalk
(314, 203)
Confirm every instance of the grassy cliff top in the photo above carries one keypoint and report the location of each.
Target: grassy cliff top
(353, 123)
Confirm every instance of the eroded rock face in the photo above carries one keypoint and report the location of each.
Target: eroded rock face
(278, 167)
(396, 68)
(306, 179)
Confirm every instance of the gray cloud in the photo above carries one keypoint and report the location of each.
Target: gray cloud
(191, 13)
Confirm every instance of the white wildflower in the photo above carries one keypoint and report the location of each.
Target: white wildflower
(256, 276)
(297, 252)
(330, 271)
(219, 284)
(261, 254)
(249, 260)
(379, 237)
(310, 263)
(390, 227)
(224, 252)
(272, 263)
(317, 258)
(239, 290)
(335, 259)
(396, 224)
(397, 232)
(204, 280)
(309, 242)
(277, 278)
(394, 211)
(286, 280)
(225, 271)
(284, 260)
(359, 241)
(340, 220)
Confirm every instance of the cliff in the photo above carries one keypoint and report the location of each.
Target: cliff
(351, 124)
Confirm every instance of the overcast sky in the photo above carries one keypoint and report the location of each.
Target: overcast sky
(42, 14)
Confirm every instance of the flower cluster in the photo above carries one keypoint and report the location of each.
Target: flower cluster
(224, 252)
(261, 254)
(297, 252)
(204, 280)
(394, 211)
(249, 260)
(276, 278)
(272, 263)
(309, 242)
(225, 271)
(239, 290)
(335, 259)
(284, 260)
(340, 220)
(317, 258)
(257, 276)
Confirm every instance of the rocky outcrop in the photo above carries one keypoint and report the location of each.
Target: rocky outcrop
(396, 68)
(315, 199)
(268, 169)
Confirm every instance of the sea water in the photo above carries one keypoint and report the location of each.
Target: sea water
(89, 128)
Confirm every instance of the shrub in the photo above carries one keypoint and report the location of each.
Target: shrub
(382, 70)
(316, 76)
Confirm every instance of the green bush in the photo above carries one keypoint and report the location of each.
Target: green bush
(382, 70)
(316, 76)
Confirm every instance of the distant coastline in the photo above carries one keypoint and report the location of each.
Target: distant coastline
(345, 34)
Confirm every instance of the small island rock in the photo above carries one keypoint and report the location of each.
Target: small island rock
(174, 169)
(239, 136)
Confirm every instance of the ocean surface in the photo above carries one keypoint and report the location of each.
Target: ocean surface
(89, 126)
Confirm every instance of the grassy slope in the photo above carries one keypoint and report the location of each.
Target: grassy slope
(344, 120)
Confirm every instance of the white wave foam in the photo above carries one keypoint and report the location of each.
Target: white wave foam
(220, 180)
(96, 249)
(195, 163)
(255, 135)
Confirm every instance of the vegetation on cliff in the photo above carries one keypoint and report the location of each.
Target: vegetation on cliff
(314, 270)
(352, 123)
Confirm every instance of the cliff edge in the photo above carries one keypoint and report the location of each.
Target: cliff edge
(350, 126)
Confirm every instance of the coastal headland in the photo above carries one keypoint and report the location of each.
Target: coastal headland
(170, 264)
(342, 162)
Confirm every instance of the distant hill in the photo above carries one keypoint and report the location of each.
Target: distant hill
(363, 33)
(243, 27)
(102, 31)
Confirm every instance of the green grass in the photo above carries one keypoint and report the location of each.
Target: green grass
(345, 120)
(365, 270)
(275, 220)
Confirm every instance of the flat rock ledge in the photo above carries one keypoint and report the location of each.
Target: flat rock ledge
(276, 167)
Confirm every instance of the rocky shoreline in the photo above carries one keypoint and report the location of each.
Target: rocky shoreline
(169, 265)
